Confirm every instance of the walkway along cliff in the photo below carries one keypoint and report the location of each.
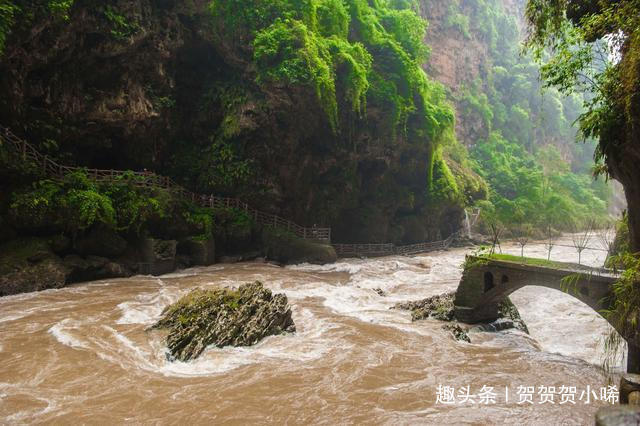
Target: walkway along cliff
(287, 242)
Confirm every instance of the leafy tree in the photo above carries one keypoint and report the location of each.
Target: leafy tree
(592, 46)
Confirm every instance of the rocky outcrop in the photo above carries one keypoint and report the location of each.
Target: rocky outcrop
(223, 317)
(199, 252)
(124, 85)
(41, 275)
(441, 307)
(93, 268)
(286, 248)
(157, 256)
(101, 241)
(29, 265)
(33, 264)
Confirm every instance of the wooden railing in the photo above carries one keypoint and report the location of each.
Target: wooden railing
(377, 250)
(151, 180)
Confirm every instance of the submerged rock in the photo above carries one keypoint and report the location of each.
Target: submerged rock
(224, 317)
(459, 333)
(509, 311)
(440, 307)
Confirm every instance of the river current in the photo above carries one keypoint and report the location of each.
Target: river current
(81, 355)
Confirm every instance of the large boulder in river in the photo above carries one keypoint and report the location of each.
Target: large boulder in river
(224, 317)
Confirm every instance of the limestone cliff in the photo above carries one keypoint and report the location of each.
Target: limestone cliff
(461, 56)
(146, 84)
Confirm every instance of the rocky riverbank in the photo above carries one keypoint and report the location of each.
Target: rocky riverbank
(39, 263)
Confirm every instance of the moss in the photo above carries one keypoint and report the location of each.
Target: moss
(621, 244)
(529, 261)
(624, 313)
(223, 317)
(352, 52)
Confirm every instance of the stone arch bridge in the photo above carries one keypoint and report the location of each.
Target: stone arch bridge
(487, 282)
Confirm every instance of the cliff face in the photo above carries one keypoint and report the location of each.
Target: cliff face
(461, 57)
(145, 84)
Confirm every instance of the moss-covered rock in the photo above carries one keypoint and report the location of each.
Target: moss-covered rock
(459, 333)
(224, 317)
(286, 248)
(30, 265)
(507, 310)
(439, 307)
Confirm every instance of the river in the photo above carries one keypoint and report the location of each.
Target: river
(81, 354)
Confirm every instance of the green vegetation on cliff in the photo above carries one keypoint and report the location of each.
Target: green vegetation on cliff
(526, 151)
(317, 110)
(594, 47)
(352, 53)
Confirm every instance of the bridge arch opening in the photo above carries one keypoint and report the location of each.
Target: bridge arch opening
(488, 281)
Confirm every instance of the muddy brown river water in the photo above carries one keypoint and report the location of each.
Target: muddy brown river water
(81, 355)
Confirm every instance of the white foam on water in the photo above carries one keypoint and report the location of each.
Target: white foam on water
(302, 347)
(21, 416)
(146, 308)
(193, 272)
(61, 332)
(357, 297)
(309, 343)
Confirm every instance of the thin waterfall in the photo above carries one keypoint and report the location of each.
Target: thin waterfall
(467, 223)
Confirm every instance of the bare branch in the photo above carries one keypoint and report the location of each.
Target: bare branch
(581, 238)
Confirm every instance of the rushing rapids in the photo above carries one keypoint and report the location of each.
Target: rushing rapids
(81, 354)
